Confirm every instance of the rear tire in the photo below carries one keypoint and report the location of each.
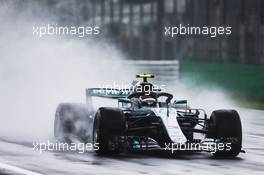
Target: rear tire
(109, 123)
(71, 123)
(225, 125)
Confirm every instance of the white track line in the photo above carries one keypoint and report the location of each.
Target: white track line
(17, 169)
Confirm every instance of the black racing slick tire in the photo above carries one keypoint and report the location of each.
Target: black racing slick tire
(225, 125)
(109, 123)
(71, 121)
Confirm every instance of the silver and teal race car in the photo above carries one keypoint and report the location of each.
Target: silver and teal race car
(146, 118)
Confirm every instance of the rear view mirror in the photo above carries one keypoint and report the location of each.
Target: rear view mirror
(180, 102)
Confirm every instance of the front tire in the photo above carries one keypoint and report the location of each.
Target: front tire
(109, 123)
(225, 125)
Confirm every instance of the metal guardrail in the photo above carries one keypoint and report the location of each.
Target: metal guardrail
(165, 71)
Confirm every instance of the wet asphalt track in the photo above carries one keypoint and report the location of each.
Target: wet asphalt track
(252, 162)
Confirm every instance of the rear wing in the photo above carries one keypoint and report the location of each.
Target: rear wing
(105, 93)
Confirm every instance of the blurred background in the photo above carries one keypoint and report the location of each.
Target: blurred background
(233, 63)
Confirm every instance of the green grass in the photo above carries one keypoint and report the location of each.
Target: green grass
(243, 82)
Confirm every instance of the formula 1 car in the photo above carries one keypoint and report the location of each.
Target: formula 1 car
(146, 118)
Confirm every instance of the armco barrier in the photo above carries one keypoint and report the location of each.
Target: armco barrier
(165, 71)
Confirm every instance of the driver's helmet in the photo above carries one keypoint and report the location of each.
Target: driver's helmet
(147, 101)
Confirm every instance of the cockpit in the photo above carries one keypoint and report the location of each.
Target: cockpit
(143, 99)
(145, 94)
